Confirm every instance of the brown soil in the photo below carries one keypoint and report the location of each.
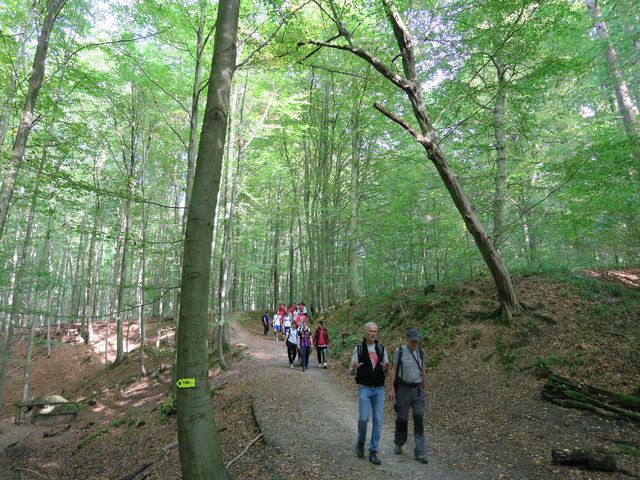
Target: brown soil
(484, 421)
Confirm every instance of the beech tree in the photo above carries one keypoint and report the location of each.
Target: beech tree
(200, 453)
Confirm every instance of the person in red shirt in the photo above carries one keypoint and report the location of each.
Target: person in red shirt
(321, 341)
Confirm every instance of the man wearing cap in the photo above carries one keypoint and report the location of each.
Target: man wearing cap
(408, 389)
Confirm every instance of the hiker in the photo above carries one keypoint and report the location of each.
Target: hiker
(320, 341)
(369, 361)
(304, 344)
(408, 390)
(287, 324)
(277, 319)
(265, 323)
(292, 345)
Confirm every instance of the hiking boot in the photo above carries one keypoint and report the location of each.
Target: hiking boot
(421, 458)
(373, 458)
(360, 450)
(397, 449)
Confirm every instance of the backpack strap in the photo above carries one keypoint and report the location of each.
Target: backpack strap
(399, 367)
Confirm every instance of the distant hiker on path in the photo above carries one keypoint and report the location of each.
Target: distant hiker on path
(368, 362)
(304, 344)
(288, 318)
(321, 341)
(292, 345)
(277, 319)
(265, 323)
(408, 390)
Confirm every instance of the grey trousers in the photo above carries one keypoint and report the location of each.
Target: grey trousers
(408, 397)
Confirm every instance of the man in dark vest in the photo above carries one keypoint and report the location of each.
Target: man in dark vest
(369, 361)
(407, 391)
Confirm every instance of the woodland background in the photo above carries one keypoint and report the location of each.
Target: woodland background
(322, 198)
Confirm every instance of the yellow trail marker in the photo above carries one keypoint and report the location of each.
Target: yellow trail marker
(186, 383)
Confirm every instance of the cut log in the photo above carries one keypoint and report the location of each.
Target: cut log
(588, 459)
(569, 393)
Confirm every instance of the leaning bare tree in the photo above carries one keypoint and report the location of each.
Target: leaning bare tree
(200, 453)
(426, 136)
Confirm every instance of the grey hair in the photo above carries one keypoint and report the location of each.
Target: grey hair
(369, 324)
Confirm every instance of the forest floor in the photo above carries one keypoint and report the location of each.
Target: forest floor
(485, 418)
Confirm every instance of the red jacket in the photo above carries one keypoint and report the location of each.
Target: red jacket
(316, 336)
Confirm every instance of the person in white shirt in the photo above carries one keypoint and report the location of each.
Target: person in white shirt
(276, 326)
(292, 345)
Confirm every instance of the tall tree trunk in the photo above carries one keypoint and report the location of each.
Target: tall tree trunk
(194, 113)
(130, 164)
(627, 109)
(354, 290)
(501, 153)
(9, 321)
(200, 452)
(88, 301)
(5, 110)
(26, 120)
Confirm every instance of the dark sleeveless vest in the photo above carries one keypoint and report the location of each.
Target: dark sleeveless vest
(366, 374)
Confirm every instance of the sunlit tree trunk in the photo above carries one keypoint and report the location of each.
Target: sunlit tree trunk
(26, 121)
(5, 110)
(354, 290)
(200, 452)
(8, 326)
(501, 153)
(628, 110)
(129, 160)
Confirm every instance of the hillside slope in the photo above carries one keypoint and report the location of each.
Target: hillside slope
(484, 384)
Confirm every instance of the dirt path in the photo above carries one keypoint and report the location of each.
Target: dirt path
(311, 417)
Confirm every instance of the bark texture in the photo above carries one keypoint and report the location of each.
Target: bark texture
(200, 453)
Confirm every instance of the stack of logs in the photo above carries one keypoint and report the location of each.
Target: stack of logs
(569, 393)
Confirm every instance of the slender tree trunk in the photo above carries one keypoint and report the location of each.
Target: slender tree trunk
(628, 110)
(130, 169)
(88, 302)
(9, 321)
(47, 249)
(354, 290)
(200, 452)
(194, 113)
(501, 154)
(27, 118)
(5, 111)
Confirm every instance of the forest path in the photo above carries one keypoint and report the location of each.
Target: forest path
(310, 419)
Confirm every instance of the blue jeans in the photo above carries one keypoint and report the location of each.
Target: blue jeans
(370, 399)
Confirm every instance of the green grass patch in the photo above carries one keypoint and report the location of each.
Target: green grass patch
(167, 408)
(118, 422)
(628, 449)
(85, 440)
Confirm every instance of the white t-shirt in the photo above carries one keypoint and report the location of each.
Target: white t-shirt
(293, 336)
(276, 320)
(287, 320)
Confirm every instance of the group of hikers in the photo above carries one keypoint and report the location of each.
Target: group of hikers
(370, 365)
(407, 390)
(293, 324)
